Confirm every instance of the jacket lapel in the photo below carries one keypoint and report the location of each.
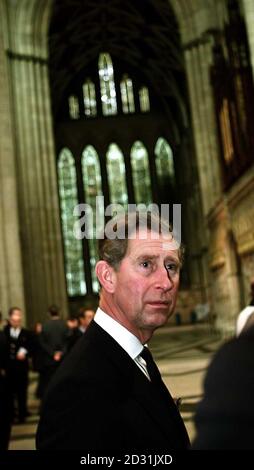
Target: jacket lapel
(157, 403)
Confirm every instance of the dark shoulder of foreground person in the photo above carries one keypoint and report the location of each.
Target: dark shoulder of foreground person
(225, 416)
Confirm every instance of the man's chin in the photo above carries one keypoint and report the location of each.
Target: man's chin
(158, 319)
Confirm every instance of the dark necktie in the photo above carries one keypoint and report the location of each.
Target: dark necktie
(155, 376)
(152, 369)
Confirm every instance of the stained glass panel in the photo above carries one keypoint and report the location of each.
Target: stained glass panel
(89, 95)
(116, 175)
(164, 160)
(92, 188)
(74, 264)
(144, 100)
(73, 107)
(107, 85)
(141, 174)
(126, 86)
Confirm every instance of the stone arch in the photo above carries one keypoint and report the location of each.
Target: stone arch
(29, 23)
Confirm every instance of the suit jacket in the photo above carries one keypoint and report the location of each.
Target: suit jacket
(73, 336)
(5, 395)
(225, 417)
(100, 400)
(24, 340)
(53, 337)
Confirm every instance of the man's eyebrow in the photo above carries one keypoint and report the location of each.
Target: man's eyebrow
(172, 258)
(147, 256)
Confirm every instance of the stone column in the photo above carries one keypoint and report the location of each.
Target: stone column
(36, 163)
(198, 60)
(198, 57)
(248, 7)
(195, 92)
(11, 275)
(211, 134)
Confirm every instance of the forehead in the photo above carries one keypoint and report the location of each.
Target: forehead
(16, 313)
(88, 313)
(152, 243)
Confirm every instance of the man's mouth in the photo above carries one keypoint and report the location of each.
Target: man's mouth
(159, 303)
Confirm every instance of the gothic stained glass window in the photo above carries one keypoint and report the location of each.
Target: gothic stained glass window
(73, 107)
(116, 175)
(74, 264)
(141, 173)
(107, 85)
(80, 273)
(89, 95)
(164, 161)
(127, 96)
(92, 188)
(144, 101)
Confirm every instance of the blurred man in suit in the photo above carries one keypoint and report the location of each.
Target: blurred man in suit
(5, 395)
(108, 394)
(78, 325)
(53, 344)
(20, 345)
(85, 317)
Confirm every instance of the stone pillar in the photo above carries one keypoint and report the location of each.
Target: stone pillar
(248, 7)
(211, 134)
(36, 162)
(11, 275)
(195, 92)
(198, 60)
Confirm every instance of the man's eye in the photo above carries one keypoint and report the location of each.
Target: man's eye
(146, 264)
(172, 267)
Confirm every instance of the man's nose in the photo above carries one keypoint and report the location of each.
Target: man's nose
(163, 279)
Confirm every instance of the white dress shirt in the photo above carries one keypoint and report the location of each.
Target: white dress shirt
(243, 317)
(14, 332)
(129, 342)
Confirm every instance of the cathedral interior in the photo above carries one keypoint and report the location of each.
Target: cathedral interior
(146, 101)
(78, 112)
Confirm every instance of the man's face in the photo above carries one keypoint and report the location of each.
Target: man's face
(16, 319)
(146, 283)
(87, 318)
(89, 314)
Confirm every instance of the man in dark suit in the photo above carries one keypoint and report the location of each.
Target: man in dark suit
(78, 325)
(108, 394)
(19, 341)
(5, 395)
(225, 417)
(53, 345)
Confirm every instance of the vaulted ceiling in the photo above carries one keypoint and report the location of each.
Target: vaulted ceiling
(143, 34)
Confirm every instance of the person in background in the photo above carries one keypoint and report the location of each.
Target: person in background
(20, 346)
(1, 321)
(37, 357)
(78, 325)
(53, 344)
(108, 395)
(85, 317)
(6, 412)
(74, 332)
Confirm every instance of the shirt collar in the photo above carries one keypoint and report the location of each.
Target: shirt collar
(14, 332)
(129, 342)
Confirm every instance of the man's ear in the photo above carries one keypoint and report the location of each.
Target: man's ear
(106, 276)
